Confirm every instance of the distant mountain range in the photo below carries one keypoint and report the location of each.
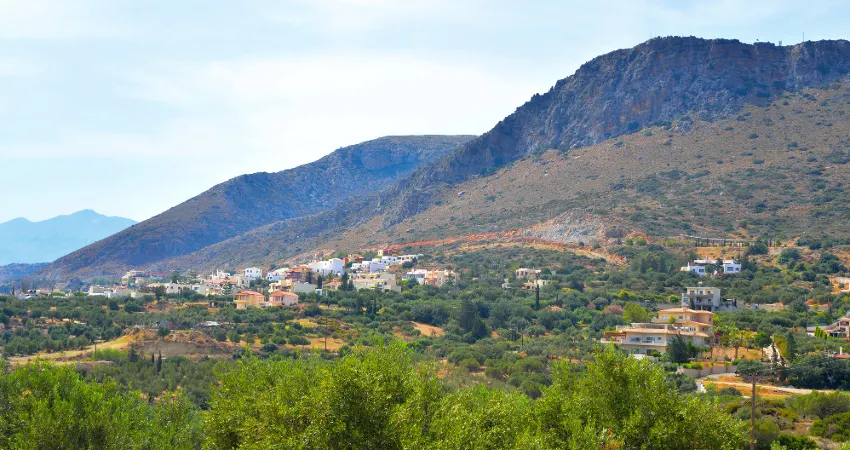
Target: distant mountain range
(23, 241)
(676, 135)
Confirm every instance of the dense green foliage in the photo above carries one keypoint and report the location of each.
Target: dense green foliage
(44, 406)
(380, 399)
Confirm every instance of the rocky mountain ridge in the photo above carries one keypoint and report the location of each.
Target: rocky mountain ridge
(668, 84)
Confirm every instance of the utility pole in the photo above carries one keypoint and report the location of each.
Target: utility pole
(753, 416)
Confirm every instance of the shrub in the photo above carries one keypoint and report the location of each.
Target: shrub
(796, 442)
(819, 405)
(836, 427)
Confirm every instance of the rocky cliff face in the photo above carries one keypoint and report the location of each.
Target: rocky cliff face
(250, 201)
(655, 82)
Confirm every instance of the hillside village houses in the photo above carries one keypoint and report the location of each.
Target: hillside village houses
(528, 274)
(284, 284)
(649, 338)
(699, 267)
(431, 277)
(380, 281)
(704, 298)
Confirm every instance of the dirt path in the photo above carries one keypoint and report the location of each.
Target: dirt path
(714, 379)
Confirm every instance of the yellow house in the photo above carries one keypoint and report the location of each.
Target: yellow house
(644, 338)
(685, 317)
(244, 299)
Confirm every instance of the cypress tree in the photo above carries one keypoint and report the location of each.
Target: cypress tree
(537, 298)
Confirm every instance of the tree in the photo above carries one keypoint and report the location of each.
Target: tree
(819, 405)
(677, 349)
(628, 403)
(175, 277)
(159, 363)
(634, 313)
(762, 340)
(319, 280)
(162, 332)
(467, 315)
(537, 297)
(48, 406)
(132, 354)
(790, 347)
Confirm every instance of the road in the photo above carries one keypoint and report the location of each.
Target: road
(748, 386)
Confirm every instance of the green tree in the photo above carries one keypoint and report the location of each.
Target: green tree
(677, 349)
(634, 313)
(46, 406)
(622, 402)
(467, 315)
(537, 297)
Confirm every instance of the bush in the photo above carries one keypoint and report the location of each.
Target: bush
(836, 427)
(766, 431)
(819, 405)
(796, 442)
(299, 340)
(730, 391)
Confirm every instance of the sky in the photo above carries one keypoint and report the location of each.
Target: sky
(131, 107)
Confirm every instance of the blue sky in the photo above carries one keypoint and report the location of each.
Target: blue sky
(131, 107)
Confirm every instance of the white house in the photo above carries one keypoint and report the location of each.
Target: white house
(698, 266)
(370, 266)
(388, 260)
(333, 266)
(527, 273)
(219, 275)
(276, 275)
(417, 274)
(409, 258)
(253, 273)
(701, 298)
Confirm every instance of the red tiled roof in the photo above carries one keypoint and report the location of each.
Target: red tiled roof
(251, 293)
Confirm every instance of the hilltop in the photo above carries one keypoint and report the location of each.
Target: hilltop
(249, 201)
(25, 242)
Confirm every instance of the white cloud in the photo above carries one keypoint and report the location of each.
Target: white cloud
(283, 112)
(58, 19)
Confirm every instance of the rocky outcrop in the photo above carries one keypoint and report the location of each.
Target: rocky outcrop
(658, 81)
(572, 227)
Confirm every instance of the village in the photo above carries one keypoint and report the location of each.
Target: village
(259, 288)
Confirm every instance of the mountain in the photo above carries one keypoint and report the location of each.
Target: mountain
(676, 135)
(23, 241)
(11, 272)
(249, 201)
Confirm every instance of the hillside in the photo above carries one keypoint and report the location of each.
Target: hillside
(23, 241)
(677, 135)
(249, 201)
(716, 179)
(11, 272)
